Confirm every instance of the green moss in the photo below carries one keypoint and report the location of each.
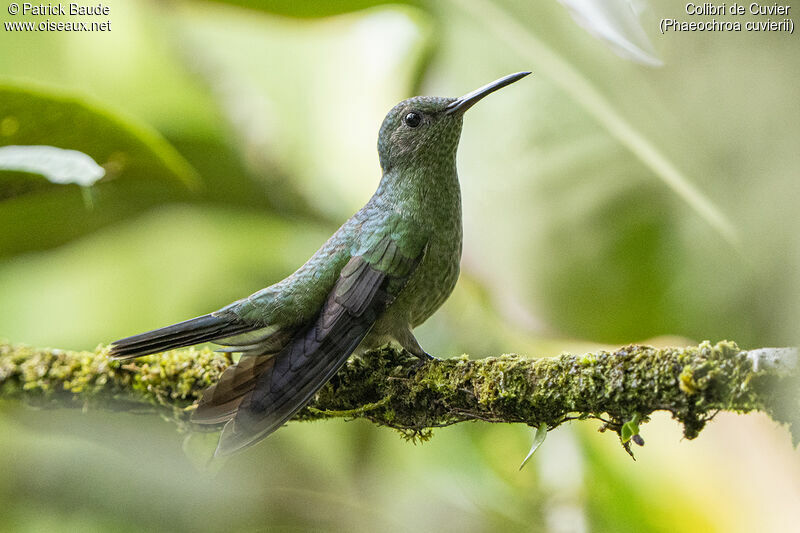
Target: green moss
(686, 381)
(168, 382)
(390, 388)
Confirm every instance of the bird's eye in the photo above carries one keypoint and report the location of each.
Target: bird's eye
(413, 119)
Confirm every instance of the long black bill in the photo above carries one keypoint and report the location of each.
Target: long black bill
(460, 105)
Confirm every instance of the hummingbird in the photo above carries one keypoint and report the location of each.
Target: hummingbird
(384, 272)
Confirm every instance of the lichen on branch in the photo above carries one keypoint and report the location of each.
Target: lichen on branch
(389, 387)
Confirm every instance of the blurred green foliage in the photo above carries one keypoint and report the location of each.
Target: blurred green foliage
(140, 170)
(574, 235)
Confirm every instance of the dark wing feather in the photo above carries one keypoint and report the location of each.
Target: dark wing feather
(283, 383)
(221, 400)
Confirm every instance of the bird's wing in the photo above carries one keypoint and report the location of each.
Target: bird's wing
(259, 394)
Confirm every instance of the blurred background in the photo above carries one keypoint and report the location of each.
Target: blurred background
(638, 187)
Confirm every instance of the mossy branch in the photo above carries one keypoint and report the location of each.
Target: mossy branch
(389, 387)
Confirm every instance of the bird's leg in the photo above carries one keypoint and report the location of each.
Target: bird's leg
(411, 345)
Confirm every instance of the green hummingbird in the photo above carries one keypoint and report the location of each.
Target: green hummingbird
(383, 273)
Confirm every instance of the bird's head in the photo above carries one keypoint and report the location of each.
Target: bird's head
(427, 128)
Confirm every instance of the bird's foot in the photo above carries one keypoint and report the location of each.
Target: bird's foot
(410, 345)
(423, 358)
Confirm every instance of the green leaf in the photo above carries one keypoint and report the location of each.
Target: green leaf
(139, 168)
(538, 439)
(630, 428)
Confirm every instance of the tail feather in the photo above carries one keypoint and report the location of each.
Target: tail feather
(187, 333)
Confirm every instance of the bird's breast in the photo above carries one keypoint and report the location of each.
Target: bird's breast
(436, 276)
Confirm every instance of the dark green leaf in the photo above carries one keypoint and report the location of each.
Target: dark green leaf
(140, 169)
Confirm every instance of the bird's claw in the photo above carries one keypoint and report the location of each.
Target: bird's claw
(423, 358)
